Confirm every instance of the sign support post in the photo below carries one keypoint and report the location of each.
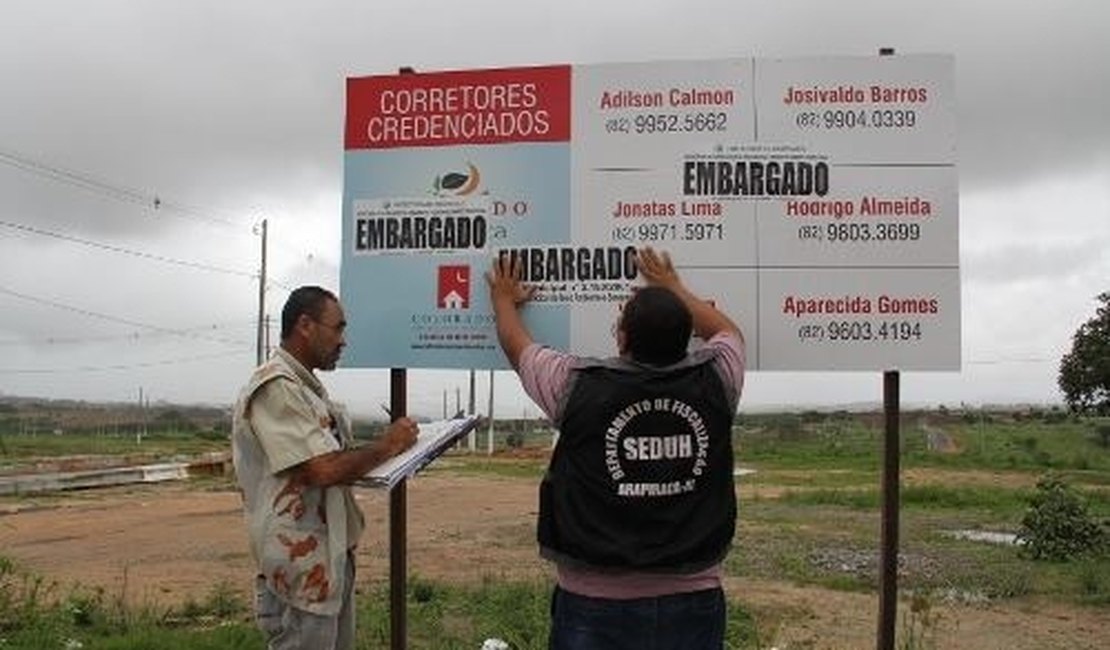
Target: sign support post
(398, 524)
(888, 551)
(398, 513)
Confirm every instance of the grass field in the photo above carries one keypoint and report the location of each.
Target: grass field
(809, 515)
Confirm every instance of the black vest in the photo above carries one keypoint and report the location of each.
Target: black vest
(641, 478)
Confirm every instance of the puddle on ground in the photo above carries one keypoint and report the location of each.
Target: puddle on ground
(988, 536)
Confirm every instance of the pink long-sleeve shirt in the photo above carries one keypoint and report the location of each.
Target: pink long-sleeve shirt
(544, 373)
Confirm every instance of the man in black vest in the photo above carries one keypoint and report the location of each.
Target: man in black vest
(638, 506)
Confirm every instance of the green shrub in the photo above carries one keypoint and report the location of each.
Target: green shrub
(1094, 581)
(1102, 435)
(788, 426)
(919, 624)
(222, 602)
(212, 435)
(1057, 525)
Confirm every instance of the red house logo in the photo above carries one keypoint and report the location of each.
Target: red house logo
(453, 291)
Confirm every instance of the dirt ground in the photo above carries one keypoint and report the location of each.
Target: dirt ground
(164, 544)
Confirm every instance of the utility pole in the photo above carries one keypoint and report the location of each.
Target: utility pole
(140, 433)
(268, 347)
(260, 343)
(489, 445)
(472, 437)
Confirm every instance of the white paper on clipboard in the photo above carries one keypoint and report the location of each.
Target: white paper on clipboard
(432, 440)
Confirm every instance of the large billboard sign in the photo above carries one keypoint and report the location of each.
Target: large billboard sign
(814, 200)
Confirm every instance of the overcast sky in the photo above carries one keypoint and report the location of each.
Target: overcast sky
(140, 143)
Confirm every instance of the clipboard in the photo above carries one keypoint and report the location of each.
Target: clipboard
(433, 439)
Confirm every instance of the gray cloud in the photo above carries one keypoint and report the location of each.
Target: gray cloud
(1034, 262)
(234, 111)
(207, 100)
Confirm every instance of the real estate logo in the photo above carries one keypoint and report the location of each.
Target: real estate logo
(457, 183)
(453, 288)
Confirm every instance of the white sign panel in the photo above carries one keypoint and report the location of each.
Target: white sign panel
(814, 200)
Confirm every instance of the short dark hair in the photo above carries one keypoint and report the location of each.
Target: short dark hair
(309, 300)
(656, 326)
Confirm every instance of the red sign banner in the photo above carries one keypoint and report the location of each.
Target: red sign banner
(463, 107)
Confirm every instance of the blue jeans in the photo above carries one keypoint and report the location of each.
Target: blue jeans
(689, 621)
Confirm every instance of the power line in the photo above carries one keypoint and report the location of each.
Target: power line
(141, 254)
(1011, 360)
(147, 199)
(114, 319)
(131, 366)
(126, 251)
(271, 283)
(120, 193)
(133, 336)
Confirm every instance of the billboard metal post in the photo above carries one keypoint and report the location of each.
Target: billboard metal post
(888, 551)
(398, 514)
(398, 524)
